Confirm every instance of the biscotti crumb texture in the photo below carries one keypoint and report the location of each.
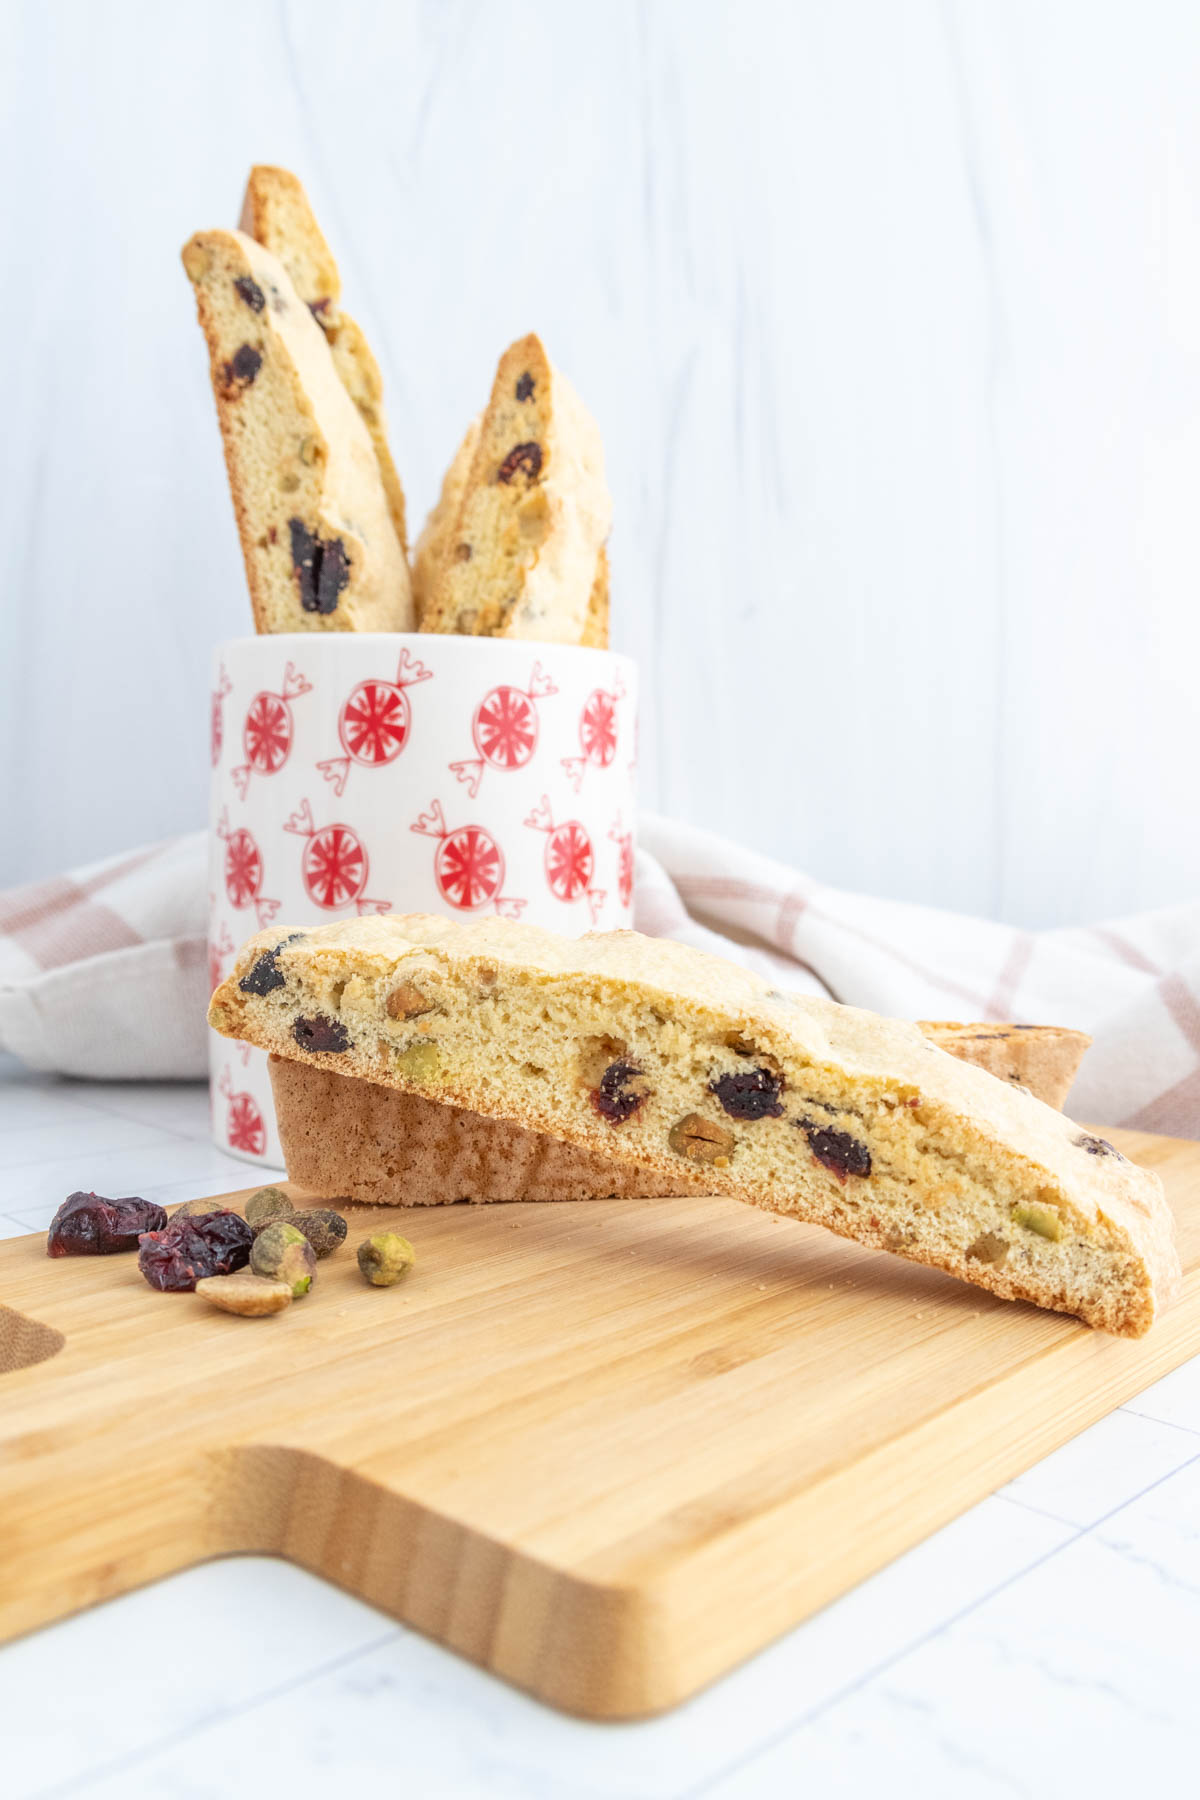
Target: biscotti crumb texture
(513, 547)
(320, 548)
(660, 1055)
(277, 214)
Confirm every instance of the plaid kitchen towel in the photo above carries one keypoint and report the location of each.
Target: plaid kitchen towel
(103, 973)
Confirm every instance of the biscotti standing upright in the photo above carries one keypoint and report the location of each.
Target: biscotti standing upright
(654, 1052)
(277, 214)
(320, 548)
(514, 547)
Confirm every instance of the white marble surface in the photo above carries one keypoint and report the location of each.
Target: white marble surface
(1045, 1643)
(891, 318)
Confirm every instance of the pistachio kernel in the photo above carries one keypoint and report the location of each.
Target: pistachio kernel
(419, 1062)
(281, 1253)
(385, 1258)
(702, 1140)
(406, 1001)
(249, 1295)
(269, 1204)
(1045, 1220)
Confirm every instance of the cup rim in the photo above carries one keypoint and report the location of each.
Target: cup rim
(521, 648)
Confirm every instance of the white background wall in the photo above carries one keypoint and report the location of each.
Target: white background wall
(890, 313)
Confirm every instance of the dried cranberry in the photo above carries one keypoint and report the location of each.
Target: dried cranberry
(265, 975)
(525, 387)
(249, 291)
(321, 1033)
(1096, 1146)
(614, 1099)
(191, 1248)
(836, 1150)
(244, 367)
(322, 567)
(749, 1093)
(89, 1225)
(318, 307)
(522, 456)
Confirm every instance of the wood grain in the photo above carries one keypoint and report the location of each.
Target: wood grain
(605, 1449)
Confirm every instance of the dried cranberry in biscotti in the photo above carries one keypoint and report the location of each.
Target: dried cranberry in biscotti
(527, 457)
(836, 1150)
(247, 361)
(615, 1099)
(749, 1093)
(321, 566)
(249, 291)
(1096, 1146)
(524, 388)
(189, 1249)
(321, 1033)
(90, 1225)
(264, 975)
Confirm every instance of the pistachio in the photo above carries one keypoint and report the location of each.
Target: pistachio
(200, 1209)
(269, 1204)
(324, 1229)
(419, 1062)
(1045, 1220)
(385, 1258)
(252, 1296)
(702, 1140)
(408, 1002)
(308, 451)
(282, 1253)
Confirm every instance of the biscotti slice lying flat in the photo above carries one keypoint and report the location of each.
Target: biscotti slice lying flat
(276, 213)
(512, 548)
(656, 1053)
(320, 548)
(341, 1135)
(376, 1145)
(1043, 1058)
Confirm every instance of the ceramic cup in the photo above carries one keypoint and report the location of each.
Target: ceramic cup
(396, 772)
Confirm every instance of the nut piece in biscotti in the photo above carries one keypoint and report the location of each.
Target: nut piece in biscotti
(513, 546)
(320, 548)
(377, 1145)
(617, 1043)
(1043, 1058)
(277, 214)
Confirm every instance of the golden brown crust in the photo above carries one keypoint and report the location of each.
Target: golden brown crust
(1043, 1058)
(866, 1127)
(276, 212)
(384, 1148)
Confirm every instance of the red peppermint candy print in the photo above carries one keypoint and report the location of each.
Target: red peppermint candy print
(245, 1127)
(217, 715)
(625, 862)
(468, 865)
(244, 871)
(504, 729)
(335, 865)
(375, 722)
(597, 733)
(267, 732)
(569, 860)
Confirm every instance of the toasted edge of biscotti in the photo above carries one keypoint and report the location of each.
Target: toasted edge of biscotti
(277, 212)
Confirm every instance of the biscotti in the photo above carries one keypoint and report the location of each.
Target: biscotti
(1043, 1058)
(341, 1135)
(320, 548)
(513, 547)
(655, 1053)
(277, 214)
(384, 1148)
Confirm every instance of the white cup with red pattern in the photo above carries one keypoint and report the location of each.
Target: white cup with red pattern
(401, 772)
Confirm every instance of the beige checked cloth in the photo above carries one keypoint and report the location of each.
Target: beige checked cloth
(104, 972)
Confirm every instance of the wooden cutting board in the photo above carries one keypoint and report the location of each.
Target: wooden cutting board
(606, 1449)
